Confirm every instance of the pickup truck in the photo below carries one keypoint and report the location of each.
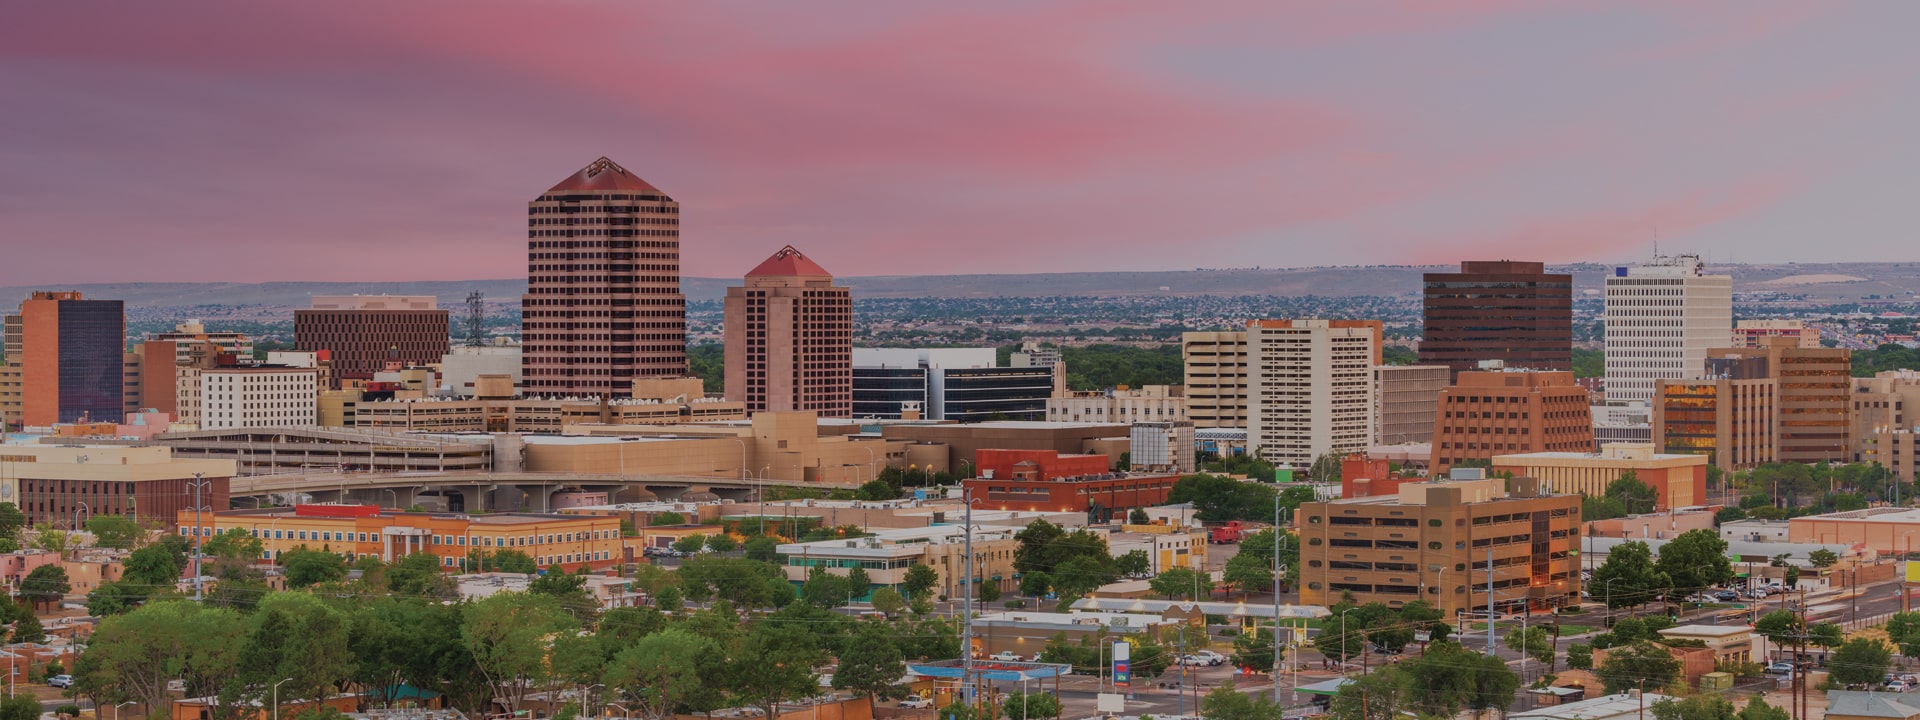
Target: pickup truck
(1005, 656)
(915, 702)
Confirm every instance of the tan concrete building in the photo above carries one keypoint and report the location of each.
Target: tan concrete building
(12, 374)
(1432, 541)
(1405, 399)
(781, 446)
(63, 485)
(1310, 388)
(603, 303)
(1151, 403)
(364, 333)
(1886, 421)
(1729, 418)
(1679, 479)
(1216, 378)
(1489, 413)
(789, 338)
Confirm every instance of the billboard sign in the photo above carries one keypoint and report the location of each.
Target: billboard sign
(1122, 677)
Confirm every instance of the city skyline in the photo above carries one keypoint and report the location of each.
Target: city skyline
(1063, 138)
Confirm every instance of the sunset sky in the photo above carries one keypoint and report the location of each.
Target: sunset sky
(256, 141)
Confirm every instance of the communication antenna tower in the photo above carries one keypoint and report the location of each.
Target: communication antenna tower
(476, 319)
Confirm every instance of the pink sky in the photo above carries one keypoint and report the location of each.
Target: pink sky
(246, 141)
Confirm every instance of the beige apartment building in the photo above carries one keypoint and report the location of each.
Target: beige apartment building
(1886, 416)
(789, 338)
(1753, 333)
(1150, 403)
(775, 446)
(1216, 378)
(1310, 388)
(258, 397)
(1434, 541)
(1405, 399)
(1781, 402)
(888, 554)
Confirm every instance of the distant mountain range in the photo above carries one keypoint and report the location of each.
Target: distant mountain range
(1836, 282)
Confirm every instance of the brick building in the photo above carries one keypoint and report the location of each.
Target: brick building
(367, 332)
(1484, 414)
(1679, 480)
(63, 485)
(72, 359)
(603, 303)
(1514, 312)
(1103, 496)
(789, 339)
(355, 531)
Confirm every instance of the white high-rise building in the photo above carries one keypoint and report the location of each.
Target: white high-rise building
(1310, 388)
(1662, 318)
(257, 397)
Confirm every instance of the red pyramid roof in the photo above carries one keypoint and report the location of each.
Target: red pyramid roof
(789, 263)
(602, 175)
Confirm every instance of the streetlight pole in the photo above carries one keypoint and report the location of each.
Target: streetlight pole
(1344, 639)
(624, 712)
(1277, 537)
(276, 699)
(199, 535)
(116, 708)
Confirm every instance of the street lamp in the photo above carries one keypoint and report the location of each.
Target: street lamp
(276, 699)
(116, 708)
(1344, 638)
(624, 712)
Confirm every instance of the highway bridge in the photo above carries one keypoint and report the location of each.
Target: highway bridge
(482, 490)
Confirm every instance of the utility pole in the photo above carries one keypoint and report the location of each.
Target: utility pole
(1277, 537)
(199, 536)
(1490, 652)
(966, 606)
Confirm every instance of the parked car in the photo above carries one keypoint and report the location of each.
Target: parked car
(1775, 588)
(60, 681)
(1897, 686)
(915, 702)
(1005, 656)
(1757, 594)
(1213, 659)
(1726, 596)
(1780, 668)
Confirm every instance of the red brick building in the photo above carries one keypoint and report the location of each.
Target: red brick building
(1361, 476)
(366, 332)
(1484, 414)
(1514, 312)
(1104, 496)
(1037, 464)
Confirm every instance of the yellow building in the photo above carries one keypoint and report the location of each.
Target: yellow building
(356, 531)
(1679, 479)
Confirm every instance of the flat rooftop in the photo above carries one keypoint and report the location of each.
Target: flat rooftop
(1878, 515)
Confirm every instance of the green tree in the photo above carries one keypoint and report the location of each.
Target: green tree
(1903, 629)
(1135, 563)
(514, 561)
(1637, 497)
(1081, 575)
(1641, 664)
(1535, 642)
(133, 657)
(1020, 705)
(1381, 695)
(1178, 584)
(690, 544)
(1860, 661)
(871, 663)
(1822, 558)
(876, 490)
(45, 585)
(666, 518)
(1778, 627)
(1217, 498)
(1826, 635)
(296, 636)
(27, 628)
(1036, 584)
(1254, 649)
(306, 568)
(569, 593)
(116, 531)
(151, 565)
(1580, 656)
(888, 600)
(666, 670)
(1139, 517)
(234, 544)
(722, 542)
(989, 591)
(11, 522)
(1696, 559)
(1248, 573)
(858, 582)
(1758, 709)
(1697, 707)
(824, 589)
(20, 707)
(1601, 508)
(1340, 641)
(1628, 578)
(1728, 514)
(418, 574)
(506, 634)
(774, 664)
(763, 549)
(919, 581)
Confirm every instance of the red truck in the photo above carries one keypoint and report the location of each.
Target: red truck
(1231, 532)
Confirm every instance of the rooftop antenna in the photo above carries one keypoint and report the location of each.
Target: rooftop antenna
(476, 318)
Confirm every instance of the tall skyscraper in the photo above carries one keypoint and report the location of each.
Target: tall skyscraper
(789, 338)
(73, 358)
(366, 332)
(1662, 318)
(603, 303)
(1514, 312)
(1310, 388)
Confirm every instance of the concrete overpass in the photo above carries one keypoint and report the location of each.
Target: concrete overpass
(481, 490)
